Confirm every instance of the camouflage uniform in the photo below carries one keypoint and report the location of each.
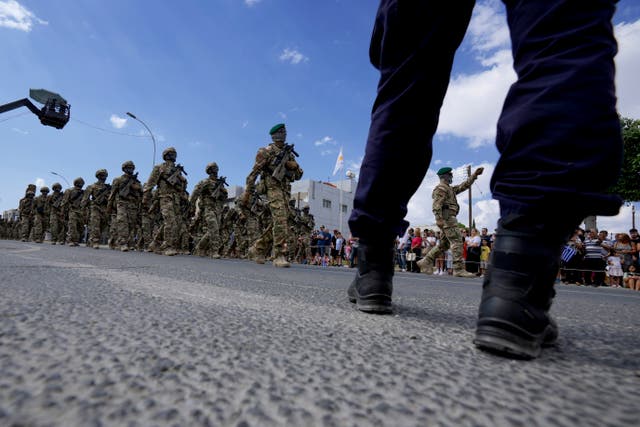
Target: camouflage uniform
(277, 168)
(72, 204)
(307, 224)
(95, 199)
(56, 214)
(294, 230)
(171, 184)
(41, 215)
(126, 194)
(445, 208)
(26, 209)
(210, 195)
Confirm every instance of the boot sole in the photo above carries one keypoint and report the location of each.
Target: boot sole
(504, 342)
(379, 307)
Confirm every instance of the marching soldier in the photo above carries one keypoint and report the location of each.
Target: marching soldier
(210, 195)
(72, 204)
(95, 199)
(56, 214)
(169, 179)
(126, 195)
(41, 215)
(277, 168)
(26, 209)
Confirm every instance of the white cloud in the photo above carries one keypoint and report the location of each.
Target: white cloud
(20, 131)
(627, 68)
(282, 115)
(292, 56)
(118, 122)
(15, 16)
(324, 141)
(40, 182)
(245, 124)
(251, 3)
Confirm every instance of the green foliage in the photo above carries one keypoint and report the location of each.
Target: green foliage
(628, 186)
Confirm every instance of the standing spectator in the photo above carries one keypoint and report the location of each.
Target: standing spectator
(473, 251)
(353, 257)
(339, 249)
(404, 244)
(484, 235)
(416, 248)
(593, 262)
(635, 241)
(485, 251)
(324, 242)
(572, 259)
(623, 249)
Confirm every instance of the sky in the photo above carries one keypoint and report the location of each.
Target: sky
(210, 78)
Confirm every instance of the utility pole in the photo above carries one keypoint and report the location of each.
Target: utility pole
(470, 208)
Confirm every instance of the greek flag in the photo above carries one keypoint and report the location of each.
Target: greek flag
(567, 253)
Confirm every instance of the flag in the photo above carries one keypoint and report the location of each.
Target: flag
(339, 163)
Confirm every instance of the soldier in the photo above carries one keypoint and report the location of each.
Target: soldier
(307, 224)
(277, 168)
(41, 215)
(72, 204)
(26, 209)
(210, 195)
(126, 195)
(56, 214)
(294, 230)
(445, 208)
(171, 186)
(95, 199)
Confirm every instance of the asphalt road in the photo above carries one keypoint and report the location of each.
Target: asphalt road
(103, 338)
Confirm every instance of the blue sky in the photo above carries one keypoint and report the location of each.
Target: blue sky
(210, 78)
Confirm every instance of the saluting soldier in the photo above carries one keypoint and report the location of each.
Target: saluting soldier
(445, 209)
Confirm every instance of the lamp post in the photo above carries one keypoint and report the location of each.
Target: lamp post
(150, 133)
(65, 179)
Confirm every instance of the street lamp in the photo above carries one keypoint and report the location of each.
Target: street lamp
(150, 133)
(65, 179)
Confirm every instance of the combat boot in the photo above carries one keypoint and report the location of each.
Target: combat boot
(215, 255)
(425, 265)
(281, 261)
(463, 273)
(254, 255)
(372, 287)
(517, 292)
(170, 252)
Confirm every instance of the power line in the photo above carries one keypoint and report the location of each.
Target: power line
(15, 115)
(108, 130)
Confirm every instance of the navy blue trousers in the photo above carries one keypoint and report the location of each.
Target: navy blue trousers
(558, 134)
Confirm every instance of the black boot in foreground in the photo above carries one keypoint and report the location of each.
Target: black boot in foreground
(372, 287)
(517, 293)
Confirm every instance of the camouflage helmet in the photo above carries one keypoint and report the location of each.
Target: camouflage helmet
(100, 172)
(78, 182)
(211, 168)
(167, 151)
(44, 189)
(305, 208)
(128, 164)
(56, 186)
(292, 203)
(30, 193)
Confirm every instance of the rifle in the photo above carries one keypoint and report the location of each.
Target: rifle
(220, 182)
(173, 179)
(99, 199)
(280, 161)
(124, 191)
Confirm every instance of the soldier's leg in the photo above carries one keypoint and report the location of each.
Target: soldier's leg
(563, 102)
(169, 209)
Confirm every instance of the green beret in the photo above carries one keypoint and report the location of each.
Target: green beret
(443, 171)
(276, 128)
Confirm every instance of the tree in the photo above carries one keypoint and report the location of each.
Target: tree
(628, 185)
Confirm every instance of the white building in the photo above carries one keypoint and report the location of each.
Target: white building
(329, 202)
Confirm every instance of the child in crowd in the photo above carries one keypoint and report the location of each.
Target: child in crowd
(632, 278)
(485, 251)
(614, 271)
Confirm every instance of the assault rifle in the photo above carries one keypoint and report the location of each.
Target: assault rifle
(220, 182)
(100, 198)
(124, 191)
(279, 163)
(173, 179)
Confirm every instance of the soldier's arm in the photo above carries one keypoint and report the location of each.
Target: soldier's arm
(468, 182)
(85, 197)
